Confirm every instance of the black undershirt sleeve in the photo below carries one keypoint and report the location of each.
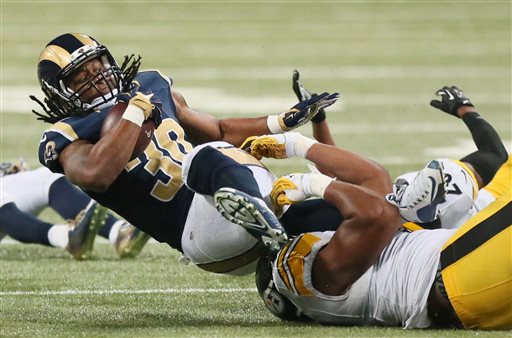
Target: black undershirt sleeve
(491, 153)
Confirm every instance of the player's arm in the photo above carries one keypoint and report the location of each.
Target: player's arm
(491, 153)
(369, 221)
(350, 167)
(322, 133)
(369, 225)
(332, 161)
(202, 127)
(96, 166)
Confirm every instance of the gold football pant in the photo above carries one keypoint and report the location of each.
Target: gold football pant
(477, 267)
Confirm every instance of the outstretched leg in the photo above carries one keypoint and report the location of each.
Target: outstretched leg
(208, 171)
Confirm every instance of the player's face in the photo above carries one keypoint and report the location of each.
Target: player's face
(89, 82)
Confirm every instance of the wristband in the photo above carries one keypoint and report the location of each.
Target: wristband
(470, 115)
(317, 185)
(299, 146)
(319, 117)
(274, 125)
(134, 114)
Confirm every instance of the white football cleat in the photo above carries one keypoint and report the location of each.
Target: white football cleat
(418, 201)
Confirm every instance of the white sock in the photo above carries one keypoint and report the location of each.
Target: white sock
(114, 231)
(58, 236)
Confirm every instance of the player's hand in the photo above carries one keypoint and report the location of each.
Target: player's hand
(304, 94)
(301, 113)
(452, 98)
(150, 105)
(278, 146)
(287, 190)
(143, 101)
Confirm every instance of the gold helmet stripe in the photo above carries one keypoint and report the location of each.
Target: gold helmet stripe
(55, 54)
(280, 268)
(291, 260)
(86, 40)
(296, 262)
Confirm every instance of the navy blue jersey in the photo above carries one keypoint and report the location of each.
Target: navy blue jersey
(149, 193)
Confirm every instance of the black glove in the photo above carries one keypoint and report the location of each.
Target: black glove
(304, 94)
(304, 111)
(452, 98)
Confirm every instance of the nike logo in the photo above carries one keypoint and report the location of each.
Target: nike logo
(433, 187)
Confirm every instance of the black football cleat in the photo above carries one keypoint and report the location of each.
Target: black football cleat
(83, 230)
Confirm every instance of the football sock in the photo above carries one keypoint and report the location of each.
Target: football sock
(67, 200)
(23, 227)
(58, 236)
(491, 153)
(114, 231)
(106, 229)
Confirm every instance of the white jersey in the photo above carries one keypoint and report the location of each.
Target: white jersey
(463, 200)
(29, 189)
(394, 291)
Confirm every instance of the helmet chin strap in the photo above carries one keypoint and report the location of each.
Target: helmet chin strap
(106, 100)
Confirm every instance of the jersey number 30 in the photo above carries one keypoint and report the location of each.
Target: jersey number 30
(164, 156)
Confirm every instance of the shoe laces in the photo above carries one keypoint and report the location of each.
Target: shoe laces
(417, 188)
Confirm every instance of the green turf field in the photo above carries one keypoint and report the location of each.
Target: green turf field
(236, 58)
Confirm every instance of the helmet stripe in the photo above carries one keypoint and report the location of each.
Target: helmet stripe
(70, 42)
(86, 40)
(55, 54)
(291, 261)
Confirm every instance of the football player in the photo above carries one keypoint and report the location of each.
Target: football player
(471, 183)
(372, 271)
(24, 193)
(81, 79)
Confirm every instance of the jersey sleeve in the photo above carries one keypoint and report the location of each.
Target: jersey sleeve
(60, 135)
(53, 142)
